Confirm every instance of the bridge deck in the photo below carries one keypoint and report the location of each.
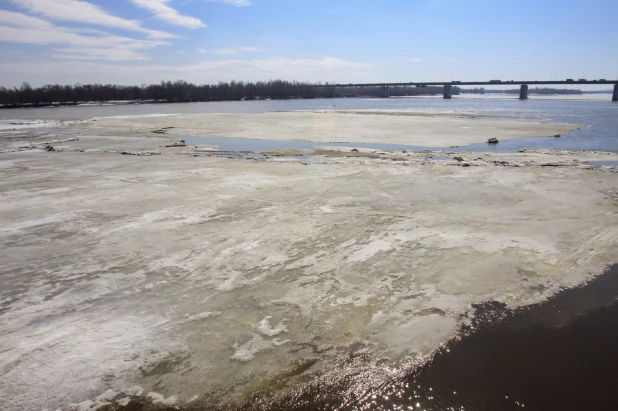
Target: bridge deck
(474, 83)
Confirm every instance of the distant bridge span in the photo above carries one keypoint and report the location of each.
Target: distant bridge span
(448, 85)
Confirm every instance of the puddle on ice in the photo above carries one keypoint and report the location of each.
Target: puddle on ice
(438, 158)
(255, 144)
(604, 163)
(237, 144)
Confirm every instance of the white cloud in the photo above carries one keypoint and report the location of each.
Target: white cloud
(226, 51)
(165, 13)
(325, 63)
(15, 19)
(111, 54)
(84, 12)
(230, 51)
(76, 44)
(416, 60)
(63, 35)
(325, 69)
(237, 3)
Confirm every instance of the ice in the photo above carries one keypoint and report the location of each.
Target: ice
(99, 402)
(132, 116)
(265, 328)
(124, 401)
(27, 124)
(247, 351)
(160, 399)
(369, 250)
(183, 275)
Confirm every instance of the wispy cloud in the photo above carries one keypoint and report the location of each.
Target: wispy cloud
(12, 18)
(108, 54)
(203, 72)
(163, 12)
(324, 63)
(237, 3)
(230, 51)
(75, 44)
(271, 64)
(227, 51)
(84, 12)
(416, 60)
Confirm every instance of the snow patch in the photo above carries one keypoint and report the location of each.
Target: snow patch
(369, 250)
(132, 116)
(247, 351)
(265, 328)
(257, 343)
(160, 399)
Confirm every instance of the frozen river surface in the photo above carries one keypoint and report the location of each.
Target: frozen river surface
(202, 280)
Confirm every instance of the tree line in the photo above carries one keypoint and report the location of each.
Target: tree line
(182, 91)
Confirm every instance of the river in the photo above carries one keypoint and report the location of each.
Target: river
(231, 314)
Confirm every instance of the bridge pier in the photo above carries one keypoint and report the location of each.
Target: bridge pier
(448, 91)
(523, 92)
(384, 91)
(615, 94)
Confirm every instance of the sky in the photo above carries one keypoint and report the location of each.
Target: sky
(347, 41)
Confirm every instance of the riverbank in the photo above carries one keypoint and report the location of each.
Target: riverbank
(135, 270)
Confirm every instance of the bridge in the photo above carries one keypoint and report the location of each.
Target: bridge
(448, 86)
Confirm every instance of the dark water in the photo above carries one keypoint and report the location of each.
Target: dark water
(601, 116)
(558, 355)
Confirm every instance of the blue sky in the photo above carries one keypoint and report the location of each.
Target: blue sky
(205, 41)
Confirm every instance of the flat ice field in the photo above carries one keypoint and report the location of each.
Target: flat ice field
(196, 279)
